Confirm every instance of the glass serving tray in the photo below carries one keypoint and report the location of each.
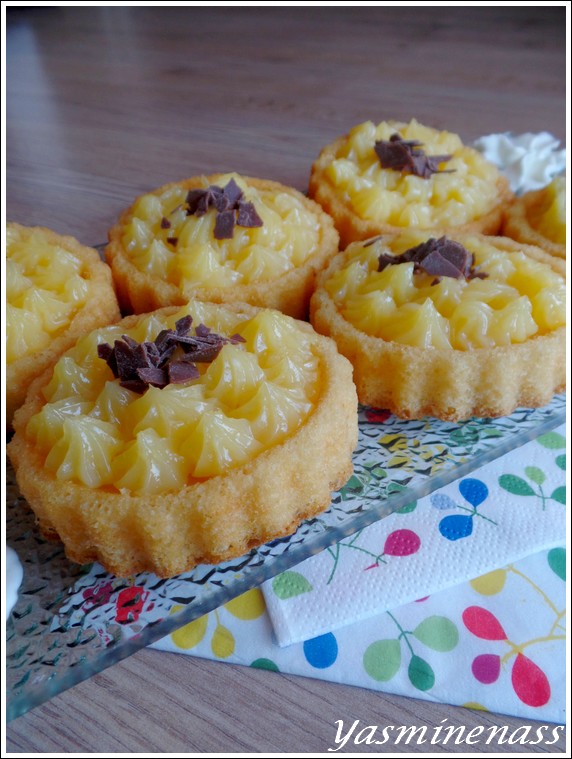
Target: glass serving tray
(72, 621)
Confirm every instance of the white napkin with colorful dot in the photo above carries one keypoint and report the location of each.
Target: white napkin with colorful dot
(495, 641)
(508, 509)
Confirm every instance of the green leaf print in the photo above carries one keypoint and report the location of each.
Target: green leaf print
(557, 562)
(382, 659)
(552, 440)
(438, 633)
(515, 485)
(290, 584)
(420, 673)
(561, 461)
(559, 494)
(265, 664)
(535, 474)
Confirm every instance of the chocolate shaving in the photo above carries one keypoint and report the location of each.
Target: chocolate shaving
(408, 157)
(182, 371)
(224, 225)
(230, 208)
(247, 216)
(165, 223)
(139, 365)
(173, 240)
(439, 258)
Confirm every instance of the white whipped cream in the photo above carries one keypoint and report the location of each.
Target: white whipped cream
(14, 575)
(529, 161)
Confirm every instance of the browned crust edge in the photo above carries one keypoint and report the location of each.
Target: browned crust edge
(208, 521)
(290, 293)
(448, 384)
(101, 309)
(516, 223)
(353, 228)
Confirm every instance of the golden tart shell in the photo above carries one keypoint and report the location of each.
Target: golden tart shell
(100, 309)
(210, 520)
(289, 293)
(414, 382)
(516, 223)
(352, 227)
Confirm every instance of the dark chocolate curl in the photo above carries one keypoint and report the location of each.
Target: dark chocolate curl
(224, 225)
(247, 215)
(183, 325)
(139, 365)
(182, 371)
(229, 207)
(232, 193)
(439, 258)
(408, 157)
(153, 375)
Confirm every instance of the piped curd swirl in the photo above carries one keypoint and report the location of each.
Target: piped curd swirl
(252, 396)
(520, 297)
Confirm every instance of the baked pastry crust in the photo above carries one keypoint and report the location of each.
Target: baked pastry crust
(352, 227)
(450, 384)
(101, 308)
(209, 520)
(518, 222)
(288, 292)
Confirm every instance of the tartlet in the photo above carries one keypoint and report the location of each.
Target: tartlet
(382, 179)
(56, 290)
(224, 238)
(478, 343)
(539, 218)
(230, 453)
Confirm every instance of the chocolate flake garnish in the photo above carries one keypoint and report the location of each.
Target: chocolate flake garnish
(173, 240)
(230, 207)
(408, 157)
(224, 225)
(439, 258)
(247, 216)
(165, 223)
(158, 363)
(182, 371)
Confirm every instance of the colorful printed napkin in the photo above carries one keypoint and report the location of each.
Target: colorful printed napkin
(495, 641)
(502, 512)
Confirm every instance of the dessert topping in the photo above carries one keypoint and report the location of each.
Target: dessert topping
(408, 157)
(230, 207)
(441, 258)
(138, 365)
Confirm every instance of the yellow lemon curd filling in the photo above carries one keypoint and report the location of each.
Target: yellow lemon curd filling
(46, 286)
(253, 395)
(520, 297)
(549, 217)
(464, 189)
(186, 251)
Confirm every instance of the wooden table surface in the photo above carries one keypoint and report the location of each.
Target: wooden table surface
(106, 102)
